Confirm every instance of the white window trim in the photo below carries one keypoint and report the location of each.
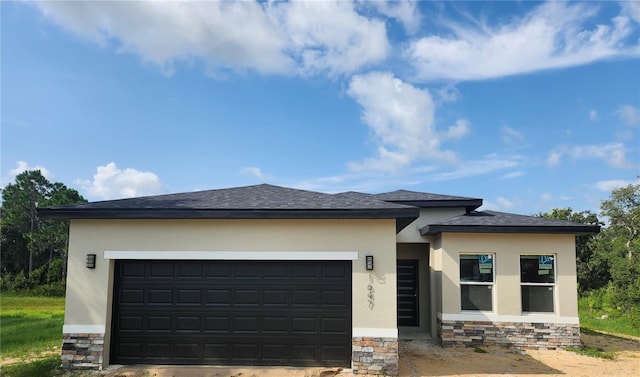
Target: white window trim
(232, 255)
(492, 283)
(553, 285)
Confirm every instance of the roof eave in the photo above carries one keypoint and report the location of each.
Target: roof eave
(156, 213)
(470, 204)
(431, 230)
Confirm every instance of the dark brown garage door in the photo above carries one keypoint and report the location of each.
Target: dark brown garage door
(232, 312)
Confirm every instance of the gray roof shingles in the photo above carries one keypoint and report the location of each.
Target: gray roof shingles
(269, 201)
(249, 201)
(493, 221)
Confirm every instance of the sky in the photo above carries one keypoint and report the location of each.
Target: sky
(528, 105)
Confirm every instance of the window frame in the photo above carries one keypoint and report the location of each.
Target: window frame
(553, 285)
(490, 284)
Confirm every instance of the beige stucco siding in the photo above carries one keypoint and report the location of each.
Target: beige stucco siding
(411, 233)
(88, 297)
(507, 249)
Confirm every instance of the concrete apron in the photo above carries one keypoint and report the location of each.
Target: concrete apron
(220, 371)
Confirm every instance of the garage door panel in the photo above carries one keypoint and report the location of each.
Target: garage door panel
(275, 325)
(247, 271)
(188, 297)
(217, 324)
(188, 323)
(304, 297)
(161, 270)
(232, 312)
(275, 353)
(133, 296)
(131, 323)
(304, 353)
(159, 323)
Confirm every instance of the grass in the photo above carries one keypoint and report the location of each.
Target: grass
(601, 320)
(592, 352)
(30, 325)
(46, 367)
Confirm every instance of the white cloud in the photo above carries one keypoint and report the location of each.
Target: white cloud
(447, 93)
(22, 166)
(614, 154)
(629, 115)
(486, 165)
(510, 136)
(504, 202)
(256, 172)
(515, 174)
(458, 130)
(554, 159)
(631, 9)
(110, 182)
(404, 11)
(401, 119)
(267, 37)
(613, 184)
(593, 115)
(554, 35)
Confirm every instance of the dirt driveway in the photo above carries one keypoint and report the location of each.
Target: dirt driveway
(422, 358)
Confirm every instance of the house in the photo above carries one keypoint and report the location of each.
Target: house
(268, 275)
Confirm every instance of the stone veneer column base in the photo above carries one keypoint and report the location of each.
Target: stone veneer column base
(508, 334)
(374, 356)
(82, 351)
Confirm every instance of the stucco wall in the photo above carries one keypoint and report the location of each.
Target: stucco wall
(88, 300)
(411, 233)
(507, 249)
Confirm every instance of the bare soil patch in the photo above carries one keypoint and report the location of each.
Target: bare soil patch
(418, 359)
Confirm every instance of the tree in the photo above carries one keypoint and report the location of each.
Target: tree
(620, 243)
(29, 242)
(623, 211)
(592, 267)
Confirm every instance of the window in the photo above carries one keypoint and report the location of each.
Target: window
(476, 281)
(537, 281)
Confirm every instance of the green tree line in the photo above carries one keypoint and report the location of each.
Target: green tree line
(608, 263)
(33, 250)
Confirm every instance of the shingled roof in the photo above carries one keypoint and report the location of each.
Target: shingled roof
(501, 222)
(275, 202)
(259, 201)
(427, 200)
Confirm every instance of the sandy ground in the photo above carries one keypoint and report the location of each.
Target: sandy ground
(423, 358)
(420, 358)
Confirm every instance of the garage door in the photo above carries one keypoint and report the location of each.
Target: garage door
(232, 312)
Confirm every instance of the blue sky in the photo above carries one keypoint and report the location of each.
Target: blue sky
(527, 105)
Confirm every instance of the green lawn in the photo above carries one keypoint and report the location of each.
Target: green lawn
(606, 320)
(30, 325)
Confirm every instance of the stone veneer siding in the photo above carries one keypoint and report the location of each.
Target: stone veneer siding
(374, 356)
(82, 351)
(508, 334)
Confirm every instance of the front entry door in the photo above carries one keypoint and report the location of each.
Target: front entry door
(407, 273)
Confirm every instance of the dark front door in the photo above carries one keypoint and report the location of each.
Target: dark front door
(232, 312)
(407, 292)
